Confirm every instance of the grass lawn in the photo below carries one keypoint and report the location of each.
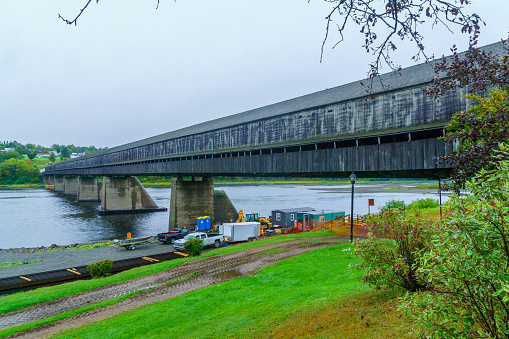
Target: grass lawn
(246, 307)
(24, 299)
(368, 315)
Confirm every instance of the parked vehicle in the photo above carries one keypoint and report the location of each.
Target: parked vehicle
(170, 237)
(130, 243)
(208, 240)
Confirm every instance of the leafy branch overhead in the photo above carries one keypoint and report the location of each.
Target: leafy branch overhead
(384, 23)
(477, 132)
(476, 70)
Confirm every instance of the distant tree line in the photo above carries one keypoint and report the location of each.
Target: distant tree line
(17, 165)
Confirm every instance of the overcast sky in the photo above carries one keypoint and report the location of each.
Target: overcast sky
(128, 71)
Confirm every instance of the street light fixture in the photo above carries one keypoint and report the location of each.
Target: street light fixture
(352, 180)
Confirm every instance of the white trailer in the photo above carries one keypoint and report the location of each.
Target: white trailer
(240, 231)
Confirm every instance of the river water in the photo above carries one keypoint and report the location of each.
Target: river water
(34, 217)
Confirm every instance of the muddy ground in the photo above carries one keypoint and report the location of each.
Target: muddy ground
(158, 287)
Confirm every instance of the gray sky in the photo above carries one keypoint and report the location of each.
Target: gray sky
(129, 71)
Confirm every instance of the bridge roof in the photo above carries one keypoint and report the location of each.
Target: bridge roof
(417, 75)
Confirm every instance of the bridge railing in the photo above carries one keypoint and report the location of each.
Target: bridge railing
(338, 222)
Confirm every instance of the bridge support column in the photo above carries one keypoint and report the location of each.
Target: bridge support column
(71, 185)
(49, 182)
(191, 199)
(224, 211)
(125, 195)
(88, 189)
(59, 184)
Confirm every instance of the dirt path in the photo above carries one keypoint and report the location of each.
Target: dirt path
(155, 288)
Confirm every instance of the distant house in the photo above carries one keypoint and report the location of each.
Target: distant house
(76, 155)
(7, 150)
(47, 154)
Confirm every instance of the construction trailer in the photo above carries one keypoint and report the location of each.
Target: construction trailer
(240, 231)
(286, 217)
(310, 219)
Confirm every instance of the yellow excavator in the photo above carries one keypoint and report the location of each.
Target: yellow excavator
(265, 222)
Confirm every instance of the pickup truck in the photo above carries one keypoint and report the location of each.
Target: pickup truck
(208, 240)
(170, 237)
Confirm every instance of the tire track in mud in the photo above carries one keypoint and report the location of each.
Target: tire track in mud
(154, 288)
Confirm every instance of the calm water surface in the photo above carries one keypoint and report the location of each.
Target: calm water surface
(35, 217)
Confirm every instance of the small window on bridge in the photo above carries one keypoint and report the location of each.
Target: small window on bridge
(427, 134)
(368, 141)
(278, 150)
(387, 139)
(266, 151)
(292, 149)
(325, 145)
(308, 147)
(346, 143)
(216, 156)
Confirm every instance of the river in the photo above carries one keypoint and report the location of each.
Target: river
(35, 217)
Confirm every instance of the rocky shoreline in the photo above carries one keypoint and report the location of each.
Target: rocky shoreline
(53, 247)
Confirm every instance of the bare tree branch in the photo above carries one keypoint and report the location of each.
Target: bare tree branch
(397, 20)
(384, 22)
(75, 20)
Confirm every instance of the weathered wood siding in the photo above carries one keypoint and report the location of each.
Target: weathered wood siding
(388, 112)
(400, 159)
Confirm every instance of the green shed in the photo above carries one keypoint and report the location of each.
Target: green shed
(310, 219)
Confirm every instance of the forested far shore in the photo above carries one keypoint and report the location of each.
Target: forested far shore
(22, 164)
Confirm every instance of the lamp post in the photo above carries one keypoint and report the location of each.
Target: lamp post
(352, 180)
(440, 195)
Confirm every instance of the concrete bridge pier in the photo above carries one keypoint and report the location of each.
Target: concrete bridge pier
(88, 189)
(193, 198)
(125, 195)
(71, 185)
(59, 184)
(49, 182)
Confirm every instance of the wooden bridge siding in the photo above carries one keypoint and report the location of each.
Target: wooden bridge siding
(400, 156)
(389, 110)
(372, 158)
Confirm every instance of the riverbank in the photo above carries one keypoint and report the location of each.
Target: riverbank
(52, 259)
(55, 247)
(397, 183)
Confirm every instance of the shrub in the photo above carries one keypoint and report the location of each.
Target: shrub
(467, 267)
(424, 203)
(100, 269)
(194, 247)
(394, 204)
(393, 260)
